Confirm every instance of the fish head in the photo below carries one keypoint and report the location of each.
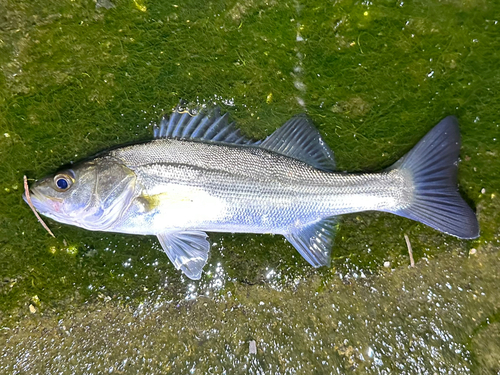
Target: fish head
(92, 194)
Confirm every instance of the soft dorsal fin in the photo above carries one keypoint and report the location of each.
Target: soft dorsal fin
(298, 139)
(206, 126)
(314, 242)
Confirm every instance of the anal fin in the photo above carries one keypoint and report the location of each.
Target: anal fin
(314, 242)
(187, 250)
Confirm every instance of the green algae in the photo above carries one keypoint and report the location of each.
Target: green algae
(375, 78)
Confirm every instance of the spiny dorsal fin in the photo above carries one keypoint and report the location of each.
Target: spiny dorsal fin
(204, 125)
(298, 139)
(314, 242)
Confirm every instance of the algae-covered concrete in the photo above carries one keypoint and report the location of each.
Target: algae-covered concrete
(79, 77)
(439, 317)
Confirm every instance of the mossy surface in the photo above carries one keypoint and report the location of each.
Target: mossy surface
(79, 77)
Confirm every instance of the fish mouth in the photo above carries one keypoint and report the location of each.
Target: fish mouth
(46, 206)
(34, 200)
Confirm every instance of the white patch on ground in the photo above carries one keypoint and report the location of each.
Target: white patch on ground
(298, 70)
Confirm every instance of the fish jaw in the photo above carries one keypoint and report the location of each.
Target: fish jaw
(48, 207)
(45, 206)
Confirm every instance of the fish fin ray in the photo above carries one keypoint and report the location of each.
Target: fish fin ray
(433, 165)
(314, 242)
(187, 250)
(299, 139)
(205, 125)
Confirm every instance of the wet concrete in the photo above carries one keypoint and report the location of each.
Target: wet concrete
(440, 317)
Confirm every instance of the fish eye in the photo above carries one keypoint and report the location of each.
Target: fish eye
(63, 182)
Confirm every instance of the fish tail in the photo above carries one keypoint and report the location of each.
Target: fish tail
(432, 165)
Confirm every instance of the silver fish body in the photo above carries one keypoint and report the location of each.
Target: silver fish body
(200, 175)
(221, 188)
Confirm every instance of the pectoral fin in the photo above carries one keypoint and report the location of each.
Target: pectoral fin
(187, 250)
(314, 242)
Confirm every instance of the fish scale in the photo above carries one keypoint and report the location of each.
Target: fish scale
(262, 184)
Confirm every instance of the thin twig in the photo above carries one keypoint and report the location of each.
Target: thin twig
(408, 244)
(28, 199)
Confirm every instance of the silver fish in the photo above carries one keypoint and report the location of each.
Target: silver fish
(201, 175)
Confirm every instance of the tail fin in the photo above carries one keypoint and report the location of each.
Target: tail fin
(433, 164)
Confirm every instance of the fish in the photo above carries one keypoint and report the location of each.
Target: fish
(199, 174)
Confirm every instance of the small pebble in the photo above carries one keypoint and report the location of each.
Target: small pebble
(252, 348)
(387, 264)
(32, 309)
(472, 251)
(483, 190)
